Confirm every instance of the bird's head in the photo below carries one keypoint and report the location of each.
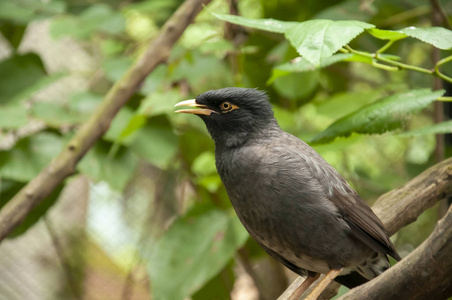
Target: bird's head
(232, 115)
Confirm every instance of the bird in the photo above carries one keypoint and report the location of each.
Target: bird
(291, 201)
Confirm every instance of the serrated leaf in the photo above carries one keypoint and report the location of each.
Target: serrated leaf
(444, 127)
(387, 114)
(316, 40)
(209, 239)
(386, 34)
(29, 156)
(437, 36)
(262, 24)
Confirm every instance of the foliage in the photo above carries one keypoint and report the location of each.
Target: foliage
(362, 67)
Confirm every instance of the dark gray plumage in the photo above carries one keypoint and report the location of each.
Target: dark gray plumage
(291, 201)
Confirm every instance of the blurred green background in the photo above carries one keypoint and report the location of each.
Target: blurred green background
(146, 215)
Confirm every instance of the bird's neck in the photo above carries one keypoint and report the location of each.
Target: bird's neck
(237, 138)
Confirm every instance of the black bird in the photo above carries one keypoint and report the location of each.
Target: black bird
(292, 202)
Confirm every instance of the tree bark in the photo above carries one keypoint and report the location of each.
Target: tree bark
(64, 165)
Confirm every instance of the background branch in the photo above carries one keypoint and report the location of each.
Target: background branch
(399, 208)
(14, 212)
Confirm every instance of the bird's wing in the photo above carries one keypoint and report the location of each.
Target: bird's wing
(364, 224)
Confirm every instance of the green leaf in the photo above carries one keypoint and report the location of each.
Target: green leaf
(437, 36)
(262, 24)
(386, 34)
(12, 32)
(159, 103)
(54, 114)
(156, 143)
(29, 156)
(13, 116)
(135, 123)
(19, 73)
(115, 67)
(25, 11)
(444, 127)
(387, 114)
(348, 10)
(300, 64)
(96, 18)
(289, 85)
(117, 126)
(316, 40)
(204, 164)
(209, 239)
(341, 104)
(84, 103)
(100, 166)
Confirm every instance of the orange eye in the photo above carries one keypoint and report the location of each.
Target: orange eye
(227, 106)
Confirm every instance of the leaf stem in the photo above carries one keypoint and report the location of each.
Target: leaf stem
(385, 47)
(404, 66)
(399, 65)
(442, 62)
(445, 99)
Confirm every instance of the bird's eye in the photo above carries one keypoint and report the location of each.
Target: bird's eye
(227, 106)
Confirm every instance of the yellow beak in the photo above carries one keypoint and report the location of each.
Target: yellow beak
(199, 110)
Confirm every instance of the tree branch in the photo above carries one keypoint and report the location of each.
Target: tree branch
(64, 165)
(426, 273)
(402, 206)
(399, 208)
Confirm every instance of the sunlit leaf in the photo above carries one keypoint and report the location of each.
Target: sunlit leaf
(262, 24)
(437, 36)
(387, 34)
(387, 114)
(192, 251)
(316, 40)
